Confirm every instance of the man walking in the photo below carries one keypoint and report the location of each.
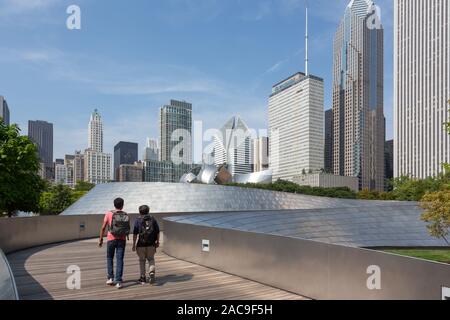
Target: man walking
(118, 223)
(147, 228)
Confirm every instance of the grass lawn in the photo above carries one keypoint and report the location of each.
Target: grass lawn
(432, 255)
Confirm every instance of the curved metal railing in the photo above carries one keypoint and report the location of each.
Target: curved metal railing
(8, 289)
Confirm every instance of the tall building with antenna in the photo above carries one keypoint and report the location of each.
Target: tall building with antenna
(296, 123)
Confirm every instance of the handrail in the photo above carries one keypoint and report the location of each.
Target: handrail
(8, 288)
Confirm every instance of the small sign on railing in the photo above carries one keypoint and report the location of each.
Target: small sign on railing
(205, 246)
(82, 226)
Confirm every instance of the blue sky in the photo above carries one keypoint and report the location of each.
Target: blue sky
(131, 57)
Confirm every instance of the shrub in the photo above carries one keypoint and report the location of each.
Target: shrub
(290, 187)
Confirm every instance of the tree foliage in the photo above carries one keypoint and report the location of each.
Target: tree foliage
(367, 194)
(291, 187)
(20, 184)
(437, 213)
(437, 205)
(57, 199)
(409, 189)
(84, 186)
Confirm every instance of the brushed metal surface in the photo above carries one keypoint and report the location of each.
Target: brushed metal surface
(309, 268)
(8, 289)
(179, 197)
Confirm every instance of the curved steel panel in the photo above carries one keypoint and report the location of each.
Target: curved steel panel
(391, 225)
(309, 268)
(188, 178)
(255, 177)
(8, 289)
(207, 174)
(179, 197)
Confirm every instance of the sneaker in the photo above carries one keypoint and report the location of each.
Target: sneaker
(119, 285)
(142, 280)
(110, 282)
(152, 278)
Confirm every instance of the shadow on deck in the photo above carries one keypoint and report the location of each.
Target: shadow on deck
(40, 274)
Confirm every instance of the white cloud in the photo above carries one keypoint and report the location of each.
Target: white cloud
(113, 78)
(21, 6)
(38, 56)
(264, 8)
(275, 67)
(157, 86)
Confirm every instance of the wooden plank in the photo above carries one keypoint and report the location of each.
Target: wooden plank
(41, 274)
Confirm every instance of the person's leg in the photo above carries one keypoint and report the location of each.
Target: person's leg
(142, 255)
(110, 250)
(151, 261)
(121, 244)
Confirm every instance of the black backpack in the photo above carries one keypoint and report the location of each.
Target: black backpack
(120, 224)
(147, 234)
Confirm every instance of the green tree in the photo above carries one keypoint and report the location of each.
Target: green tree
(77, 195)
(55, 201)
(367, 194)
(20, 184)
(409, 189)
(84, 186)
(291, 187)
(437, 205)
(437, 213)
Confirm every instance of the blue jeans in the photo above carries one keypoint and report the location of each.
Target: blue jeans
(115, 247)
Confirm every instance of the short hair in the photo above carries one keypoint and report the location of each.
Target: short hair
(118, 203)
(144, 210)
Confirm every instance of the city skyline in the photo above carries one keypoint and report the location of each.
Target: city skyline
(233, 88)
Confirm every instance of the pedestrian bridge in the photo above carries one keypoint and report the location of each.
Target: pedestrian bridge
(40, 273)
(322, 253)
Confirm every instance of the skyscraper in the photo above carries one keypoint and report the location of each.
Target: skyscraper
(233, 147)
(95, 135)
(421, 87)
(69, 162)
(151, 151)
(124, 153)
(260, 154)
(78, 167)
(4, 111)
(176, 132)
(389, 159)
(60, 174)
(131, 172)
(359, 130)
(296, 123)
(328, 141)
(41, 133)
(97, 165)
(296, 126)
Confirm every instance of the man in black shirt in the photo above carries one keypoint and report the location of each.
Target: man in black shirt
(146, 227)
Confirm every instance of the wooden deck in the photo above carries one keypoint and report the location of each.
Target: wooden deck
(40, 273)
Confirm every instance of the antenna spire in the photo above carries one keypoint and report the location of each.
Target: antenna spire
(306, 41)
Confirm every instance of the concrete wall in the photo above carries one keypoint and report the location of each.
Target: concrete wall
(22, 233)
(312, 269)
